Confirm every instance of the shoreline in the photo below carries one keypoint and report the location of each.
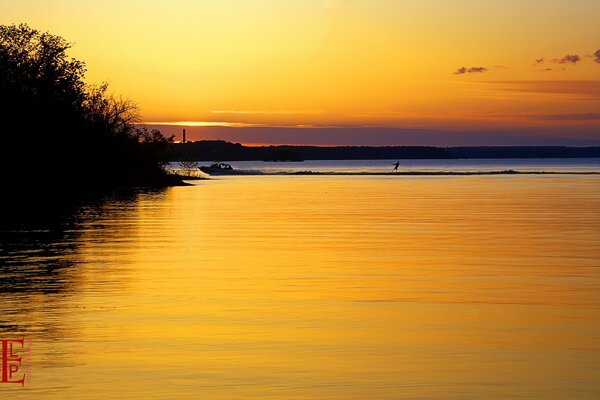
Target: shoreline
(406, 173)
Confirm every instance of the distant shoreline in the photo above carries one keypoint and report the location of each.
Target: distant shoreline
(403, 173)
(443, 173)
(219, 150)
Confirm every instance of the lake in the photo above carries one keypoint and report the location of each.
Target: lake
(313, 287)
(420, 166)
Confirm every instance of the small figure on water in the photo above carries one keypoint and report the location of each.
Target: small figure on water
(396, 165)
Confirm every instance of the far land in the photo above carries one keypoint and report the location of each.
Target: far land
(219, 150)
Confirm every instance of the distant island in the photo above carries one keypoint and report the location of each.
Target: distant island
(220, 150)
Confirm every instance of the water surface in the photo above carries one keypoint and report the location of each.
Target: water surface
(313, 287)
(422, 166)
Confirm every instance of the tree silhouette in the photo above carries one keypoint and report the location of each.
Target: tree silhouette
(72, 134)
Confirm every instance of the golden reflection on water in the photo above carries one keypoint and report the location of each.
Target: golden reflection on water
(319, 287)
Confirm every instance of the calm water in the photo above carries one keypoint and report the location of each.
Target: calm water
(313, 287)
(378, 166)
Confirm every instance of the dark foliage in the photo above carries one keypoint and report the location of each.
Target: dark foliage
(60, 133)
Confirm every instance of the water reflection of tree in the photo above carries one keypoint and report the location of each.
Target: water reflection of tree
(43, 271)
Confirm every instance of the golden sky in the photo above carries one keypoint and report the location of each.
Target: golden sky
(343, 71)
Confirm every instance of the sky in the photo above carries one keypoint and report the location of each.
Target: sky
(331, 72)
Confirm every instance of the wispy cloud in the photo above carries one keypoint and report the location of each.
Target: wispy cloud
(221, 124)
(581, 90)
(572, 59)
(199, 123)
(472, 70)
(568, 117)
(568, 59)
(548, 69)
(268, 112)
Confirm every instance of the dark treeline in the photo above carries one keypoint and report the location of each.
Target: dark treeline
(61, 135)
(218, 150)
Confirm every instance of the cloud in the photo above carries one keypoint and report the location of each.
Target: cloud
(568, 117)
(548, 69)
(472, 70)
(477, 69)
(268, 112)
(200, 124)
(597, 57)
(538, 61)
(568, 59)
(578, 90)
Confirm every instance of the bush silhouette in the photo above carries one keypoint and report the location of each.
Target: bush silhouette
(59, 131)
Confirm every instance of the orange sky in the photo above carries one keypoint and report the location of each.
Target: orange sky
(343, 71)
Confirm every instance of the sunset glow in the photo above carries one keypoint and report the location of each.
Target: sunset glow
(530, 70)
